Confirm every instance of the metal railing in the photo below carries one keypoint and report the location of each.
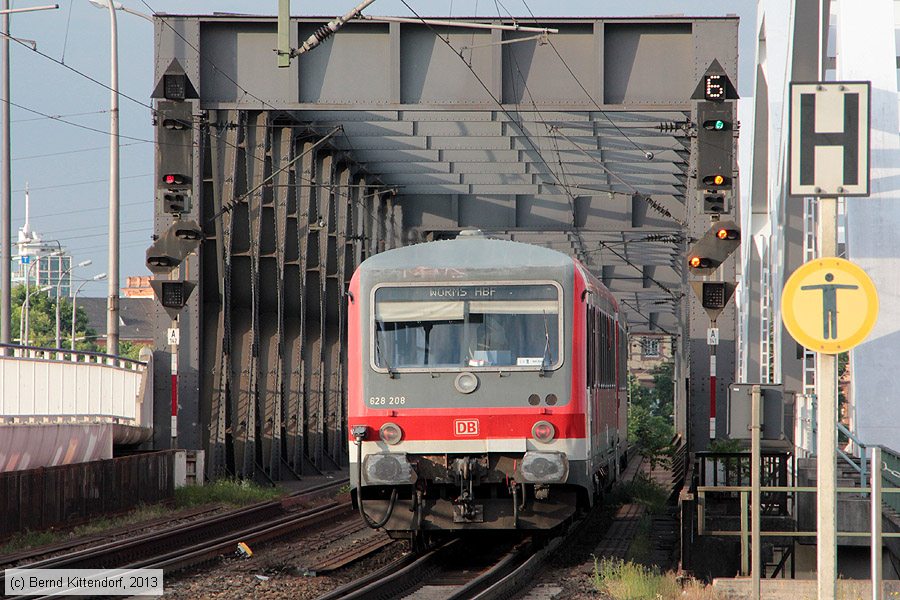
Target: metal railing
(861, 467)
(60, 354)
(54, 385)
(890, 476)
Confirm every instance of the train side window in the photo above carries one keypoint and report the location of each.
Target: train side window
(598, 373)
(610, 352)
(589, 373)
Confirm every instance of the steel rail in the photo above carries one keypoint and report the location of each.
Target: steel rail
(188, 538)
(516, 580)
(33, 553)
(394, 579)
(182, 558)
(490, 579)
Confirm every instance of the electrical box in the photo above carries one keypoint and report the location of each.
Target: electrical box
(777, 414)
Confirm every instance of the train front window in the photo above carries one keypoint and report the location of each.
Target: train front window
(462, 327)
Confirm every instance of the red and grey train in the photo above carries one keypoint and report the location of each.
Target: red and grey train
(486, 386)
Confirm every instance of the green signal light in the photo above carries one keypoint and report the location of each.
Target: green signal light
(716, 125)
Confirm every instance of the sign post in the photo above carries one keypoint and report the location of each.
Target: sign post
(829, 157)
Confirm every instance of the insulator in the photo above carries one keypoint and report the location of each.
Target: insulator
(323, 33)
(668, 126)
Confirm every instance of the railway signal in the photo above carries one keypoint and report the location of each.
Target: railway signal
(173, 295)
(714, 247)
(173, 246)
(175, 166)
(715, 146)
(714, 296)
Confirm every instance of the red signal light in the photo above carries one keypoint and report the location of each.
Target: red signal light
(390, 433)
(543, 431)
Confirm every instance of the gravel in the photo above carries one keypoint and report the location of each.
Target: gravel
(282, 570)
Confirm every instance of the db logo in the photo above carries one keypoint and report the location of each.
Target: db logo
(466, 426)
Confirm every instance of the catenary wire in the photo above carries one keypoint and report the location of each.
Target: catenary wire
(78, 114)
(588, 94)
(75, 151)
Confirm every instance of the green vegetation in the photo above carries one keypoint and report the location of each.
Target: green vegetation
(42, 316)
(42, 319)
(32, 539)
(29, 539)
(645, 491)
(629, 581)
(641, 549)
(130, 349)
(235, 492)
(229, 492)
(650, 412)
(737, 471)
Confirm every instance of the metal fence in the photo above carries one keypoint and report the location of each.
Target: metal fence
(68, 495)
(891, 476)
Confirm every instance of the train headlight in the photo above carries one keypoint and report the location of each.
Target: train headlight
(466, 383)
(387, 468)
(390, 433)
(545, 467)
(543, 432)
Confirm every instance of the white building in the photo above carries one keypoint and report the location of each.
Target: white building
(40, 262)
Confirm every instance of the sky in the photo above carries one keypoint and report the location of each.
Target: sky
(67, 166)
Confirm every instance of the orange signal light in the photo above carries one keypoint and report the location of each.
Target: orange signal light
(724, 233)
(695, 261)
(718, 180)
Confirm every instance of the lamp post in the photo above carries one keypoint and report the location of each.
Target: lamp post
(5, 169)
(27, 314)
(98, 277)
(23, 313)
(24, 331)
(120, 6)
(112, 304)
(83, 263)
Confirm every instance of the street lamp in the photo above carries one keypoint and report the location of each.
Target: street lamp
(26, 315)
(5, 173)
(120, 6)
(112, 304)
(97, 277)
(83, 263)
(24, 329)
(23, 312)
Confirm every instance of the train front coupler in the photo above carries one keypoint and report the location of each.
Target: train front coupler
(467, 471)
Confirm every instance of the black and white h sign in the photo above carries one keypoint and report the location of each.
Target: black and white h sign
(829, 136)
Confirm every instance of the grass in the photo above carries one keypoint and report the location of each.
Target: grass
(234, 492)
(641, 490)
(33, 539)
(629, 581)
(229, 492)
(641, 548)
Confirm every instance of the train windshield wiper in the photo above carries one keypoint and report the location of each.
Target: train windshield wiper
(545, 360)
(380, 352)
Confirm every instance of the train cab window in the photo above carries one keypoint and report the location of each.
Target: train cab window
(455, 327)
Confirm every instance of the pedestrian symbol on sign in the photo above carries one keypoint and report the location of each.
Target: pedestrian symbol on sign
(829, 304)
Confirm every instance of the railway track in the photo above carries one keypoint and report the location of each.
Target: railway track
(184, 546)
(456, 570)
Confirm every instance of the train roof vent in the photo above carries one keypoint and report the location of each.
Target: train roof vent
(471, 233)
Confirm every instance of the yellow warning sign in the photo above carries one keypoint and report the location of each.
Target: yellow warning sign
(829, 305)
